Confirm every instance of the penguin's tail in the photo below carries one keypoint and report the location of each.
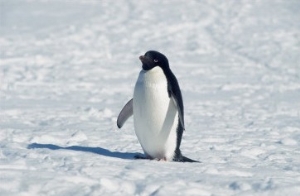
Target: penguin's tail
(181, 158)
(185, 159)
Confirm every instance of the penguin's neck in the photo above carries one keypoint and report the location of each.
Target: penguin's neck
(153, 77)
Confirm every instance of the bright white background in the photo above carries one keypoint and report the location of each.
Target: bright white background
(68, 67)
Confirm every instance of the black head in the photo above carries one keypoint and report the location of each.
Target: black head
(152, 59)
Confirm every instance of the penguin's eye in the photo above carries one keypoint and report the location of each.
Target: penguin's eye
(155, 60)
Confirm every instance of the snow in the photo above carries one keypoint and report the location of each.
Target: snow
(68, 67)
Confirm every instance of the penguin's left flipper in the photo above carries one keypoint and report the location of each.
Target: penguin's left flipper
(125, 113)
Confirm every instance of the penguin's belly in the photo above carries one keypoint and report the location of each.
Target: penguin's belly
(155, 115)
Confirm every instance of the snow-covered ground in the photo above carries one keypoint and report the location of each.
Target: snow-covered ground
(68, 67)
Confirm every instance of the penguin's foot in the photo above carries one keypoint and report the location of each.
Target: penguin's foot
(138, 156)
(163, 159)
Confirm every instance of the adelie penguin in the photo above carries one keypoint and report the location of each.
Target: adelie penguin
(157, 108)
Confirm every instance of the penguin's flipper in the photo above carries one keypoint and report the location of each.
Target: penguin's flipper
(177, 99)
(125, 113)
(175, 95)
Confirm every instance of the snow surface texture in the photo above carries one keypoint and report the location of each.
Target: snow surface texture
(68, 67)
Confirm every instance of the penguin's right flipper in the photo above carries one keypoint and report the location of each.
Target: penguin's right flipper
(125, 113)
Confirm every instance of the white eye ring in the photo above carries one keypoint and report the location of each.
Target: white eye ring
(155, 60)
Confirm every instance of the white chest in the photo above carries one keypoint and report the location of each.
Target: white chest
(155, 114)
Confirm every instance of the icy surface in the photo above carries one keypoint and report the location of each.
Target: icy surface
(68, 67)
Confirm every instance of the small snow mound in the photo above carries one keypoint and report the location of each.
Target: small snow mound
(109, 184)
(288, 142)
(267, 184)
(107, 113)
(239, 186)
(236, 173)
(128, 188)
(76, 138)
(252, 152)
(212, 171)
(104, 113)
(47, 139)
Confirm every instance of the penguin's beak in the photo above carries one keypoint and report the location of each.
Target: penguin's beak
(146, 61)
(142, 58)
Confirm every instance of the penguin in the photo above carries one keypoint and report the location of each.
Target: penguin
(157, 109)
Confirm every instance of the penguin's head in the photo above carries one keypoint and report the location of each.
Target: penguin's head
(152, 59)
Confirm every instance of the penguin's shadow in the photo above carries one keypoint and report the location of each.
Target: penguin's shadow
(95, 150)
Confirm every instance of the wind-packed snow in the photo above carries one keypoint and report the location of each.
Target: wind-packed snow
(68, 67)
